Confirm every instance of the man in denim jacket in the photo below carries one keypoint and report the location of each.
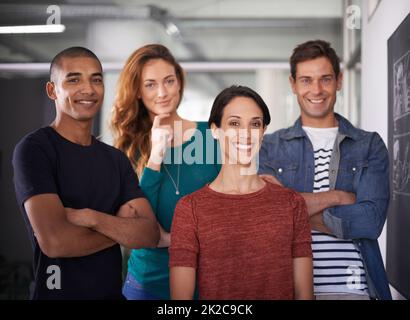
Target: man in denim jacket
(341, 171)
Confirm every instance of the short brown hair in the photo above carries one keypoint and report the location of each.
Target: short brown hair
(311, 50)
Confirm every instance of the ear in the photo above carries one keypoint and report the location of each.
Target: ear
(215, 131)
(339, 83)
(292, 83)
(51, 90)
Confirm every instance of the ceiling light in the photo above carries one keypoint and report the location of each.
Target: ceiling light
(44, 28)
(171, 29)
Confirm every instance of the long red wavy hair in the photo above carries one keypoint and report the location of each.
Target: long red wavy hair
(130, 123)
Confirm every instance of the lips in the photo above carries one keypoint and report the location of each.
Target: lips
(163, 103)
(316, 101)
(86, 102)
(243, 147)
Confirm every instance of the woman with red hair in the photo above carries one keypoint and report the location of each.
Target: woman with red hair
(159, 144)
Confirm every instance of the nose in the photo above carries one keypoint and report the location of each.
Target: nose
(87, 88)
(162, 91)
(316, 87)
(244, 134)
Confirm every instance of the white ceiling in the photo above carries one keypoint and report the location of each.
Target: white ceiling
(221, 30)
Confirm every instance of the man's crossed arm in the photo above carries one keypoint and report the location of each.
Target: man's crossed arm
(317, 202)
(64, 232)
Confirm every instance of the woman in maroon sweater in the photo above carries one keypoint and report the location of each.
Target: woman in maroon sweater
(241, 237)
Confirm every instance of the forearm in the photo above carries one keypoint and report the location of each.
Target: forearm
(303, 278)
(317, 202)
(56, 235)
(317, 223)
(76, 241)
(134, 232)
(182, 283)
(165, 238)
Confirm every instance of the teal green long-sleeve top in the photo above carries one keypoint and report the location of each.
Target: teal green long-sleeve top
(199, 166)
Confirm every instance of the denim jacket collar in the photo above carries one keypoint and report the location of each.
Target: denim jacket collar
(345, 129)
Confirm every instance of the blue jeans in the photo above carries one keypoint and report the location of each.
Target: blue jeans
(133, 290)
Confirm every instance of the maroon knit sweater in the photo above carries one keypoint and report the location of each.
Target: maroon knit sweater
(242, 245)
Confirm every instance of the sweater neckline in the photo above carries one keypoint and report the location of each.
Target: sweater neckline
(237, 196)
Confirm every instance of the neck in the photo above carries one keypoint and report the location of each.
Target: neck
(78, 132)
(232, 180)
(328, 121)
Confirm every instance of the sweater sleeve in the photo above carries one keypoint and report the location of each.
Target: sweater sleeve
(302, 238)
(150, 184)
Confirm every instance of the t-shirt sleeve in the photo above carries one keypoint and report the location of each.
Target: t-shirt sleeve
(33, 169)
(130, 188)
(302, 238)
(184, 248)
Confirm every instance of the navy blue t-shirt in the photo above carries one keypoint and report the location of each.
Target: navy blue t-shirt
(98, 177)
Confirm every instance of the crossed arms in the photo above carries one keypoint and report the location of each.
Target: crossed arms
(359, 215)
(65, 232)
(317, 202)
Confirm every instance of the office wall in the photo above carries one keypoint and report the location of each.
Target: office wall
(24, 108)
(376, 31)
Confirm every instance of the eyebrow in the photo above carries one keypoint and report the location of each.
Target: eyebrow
(73, 74)
(238, 117)
(78, 74)
(325, 75)
(170, 75)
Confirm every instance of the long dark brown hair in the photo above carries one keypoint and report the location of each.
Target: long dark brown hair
(130, 121)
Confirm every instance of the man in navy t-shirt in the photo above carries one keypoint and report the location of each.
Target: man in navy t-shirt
(80, 197)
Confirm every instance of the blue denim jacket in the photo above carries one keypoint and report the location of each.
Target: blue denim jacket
(359, 164)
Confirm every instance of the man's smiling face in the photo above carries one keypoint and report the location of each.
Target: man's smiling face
(78, 88)
(315, 87)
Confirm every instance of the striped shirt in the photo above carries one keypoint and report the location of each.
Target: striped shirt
(337, 263)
